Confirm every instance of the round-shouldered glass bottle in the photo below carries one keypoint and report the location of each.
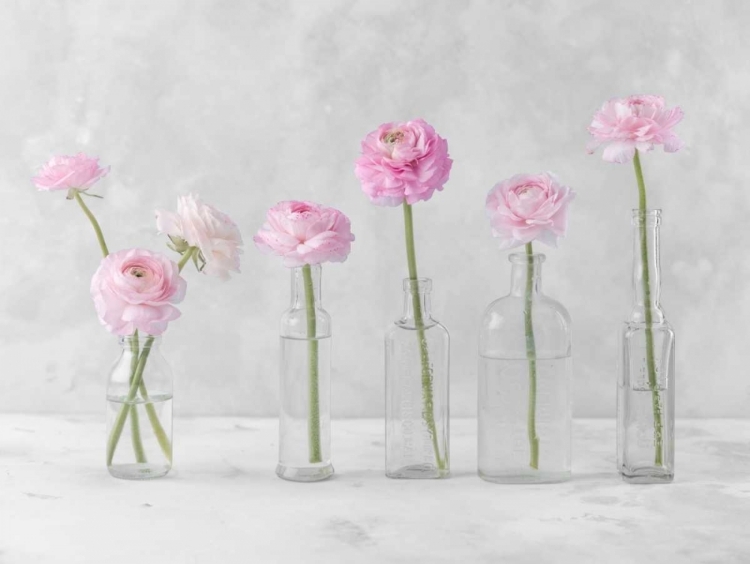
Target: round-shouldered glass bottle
(305, 382)
(524, 397)
(139, 411)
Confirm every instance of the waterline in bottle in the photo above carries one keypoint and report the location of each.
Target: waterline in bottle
(124, 462)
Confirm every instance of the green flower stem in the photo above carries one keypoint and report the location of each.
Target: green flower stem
(135, 429)
(531, 356)
(94, 223)
(427, 394)
(123, 414)
(650, 360)
(313, 419)
(161, 434)
(185, 258)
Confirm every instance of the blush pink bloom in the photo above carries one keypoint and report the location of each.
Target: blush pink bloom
(400, 162)
(305, 233)
(637, 122)
(135, 289)
(528, 207)
(79, 172)
(213, 233)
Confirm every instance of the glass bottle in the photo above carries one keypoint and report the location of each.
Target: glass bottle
(139, 411)
(645, 391)
(417, 350)
(305, 388)
(524, 398)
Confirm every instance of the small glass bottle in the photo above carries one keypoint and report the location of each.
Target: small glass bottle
(305, 388)
(645, 391)
(139, 411)
(524, 398)
(417, 350)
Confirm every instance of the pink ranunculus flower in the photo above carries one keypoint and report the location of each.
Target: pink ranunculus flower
(62, 172)
(404, 161)
(528, 207)
(213, 233)
(135, 289)
(305, 233)
(636, 122)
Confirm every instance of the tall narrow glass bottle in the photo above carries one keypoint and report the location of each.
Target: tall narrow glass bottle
(645, 392)
(139, 411)
(305, 397)
(417, 350)
(524, 398)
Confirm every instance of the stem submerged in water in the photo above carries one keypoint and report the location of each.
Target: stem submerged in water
(427, 393)
(650, 359)
(531, 356)
(313, 420)
(114, 436)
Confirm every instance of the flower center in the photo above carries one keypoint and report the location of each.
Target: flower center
(137, 272)
(394, 137)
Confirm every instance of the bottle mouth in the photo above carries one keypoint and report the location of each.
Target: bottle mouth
(649, 216)
(420, 285)
(647, 213)
(142, 340)
(523, 258)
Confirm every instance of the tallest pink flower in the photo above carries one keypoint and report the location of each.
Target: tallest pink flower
(62, 172)
(403, 162)
(636, 122)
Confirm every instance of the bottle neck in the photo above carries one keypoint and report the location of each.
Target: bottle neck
(526, 274)
(417, 299)
(646, 266)
(305, 282)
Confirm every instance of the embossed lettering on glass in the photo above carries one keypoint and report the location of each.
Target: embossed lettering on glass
(417, 414)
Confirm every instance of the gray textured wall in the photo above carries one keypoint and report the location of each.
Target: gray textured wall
(254, 102)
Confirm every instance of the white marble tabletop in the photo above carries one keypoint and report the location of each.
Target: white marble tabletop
(224, 504)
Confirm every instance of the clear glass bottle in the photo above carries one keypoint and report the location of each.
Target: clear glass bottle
(139, 411)
(645, 391)
(305, 388)
(417, 359)
(524, 397)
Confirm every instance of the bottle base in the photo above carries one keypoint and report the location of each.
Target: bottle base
(650, 475)
(310, 474)
(535, 477)
(418, 472)
(138, 471)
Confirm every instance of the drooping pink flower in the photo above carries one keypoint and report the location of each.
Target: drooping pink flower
(62, 172)
(404, 161)
(305, 233)
(135, 289)
(197, 224)
(636, 122)
(528, 207)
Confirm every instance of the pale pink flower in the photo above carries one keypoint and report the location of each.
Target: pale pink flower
(70, 173)
(213, 233)
(400, 162)
(135, 289)
(637, 122)
(305, 233)
(528, 207)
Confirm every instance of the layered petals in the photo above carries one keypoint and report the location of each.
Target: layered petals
(528, 207)
(637, 122)
(61, 172)
(403, 162)
(305, 233)
(136, 289)
(212, 232)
